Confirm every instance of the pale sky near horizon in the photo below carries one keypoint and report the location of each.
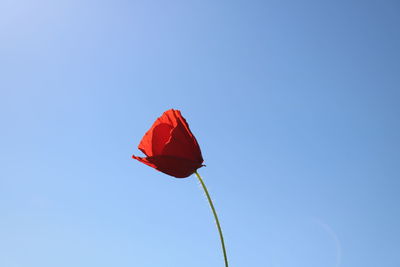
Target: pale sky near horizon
(295, 105)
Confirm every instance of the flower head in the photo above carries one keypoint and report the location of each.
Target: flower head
(170, 146)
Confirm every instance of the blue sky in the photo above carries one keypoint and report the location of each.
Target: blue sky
(295, 105)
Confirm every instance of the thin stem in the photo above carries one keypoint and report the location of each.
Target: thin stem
(215, 217)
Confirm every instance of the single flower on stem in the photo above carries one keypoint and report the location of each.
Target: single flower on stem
(171, 148)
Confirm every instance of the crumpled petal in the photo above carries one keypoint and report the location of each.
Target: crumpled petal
(155, 138)
(145, 161)
(182, 144)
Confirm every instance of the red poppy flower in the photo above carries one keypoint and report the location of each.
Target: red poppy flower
(170, 146)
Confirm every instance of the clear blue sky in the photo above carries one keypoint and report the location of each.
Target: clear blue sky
(295, 105)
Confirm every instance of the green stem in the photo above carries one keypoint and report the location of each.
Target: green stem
(215, 217)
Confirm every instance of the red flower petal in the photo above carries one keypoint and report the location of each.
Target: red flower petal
(170, 146)
(174, 166)
(154, 140)
(145, 161)
(182, 144)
